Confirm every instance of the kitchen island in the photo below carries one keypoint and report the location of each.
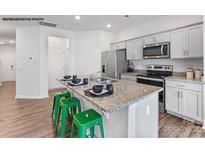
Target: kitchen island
(131, 111)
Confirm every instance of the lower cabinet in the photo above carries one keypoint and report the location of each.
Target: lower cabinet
(184, 102)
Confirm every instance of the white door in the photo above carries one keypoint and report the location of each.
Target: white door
(134, 49)
(172, 99)
(56, 63)
(195, 41)
(178, 43)
(192, 104)
(56, 60)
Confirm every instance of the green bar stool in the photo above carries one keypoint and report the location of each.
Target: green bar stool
(87, 120)
(56, 102)
(67, 107)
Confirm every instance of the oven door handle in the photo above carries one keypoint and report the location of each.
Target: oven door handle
(152, 79)
(162, 48)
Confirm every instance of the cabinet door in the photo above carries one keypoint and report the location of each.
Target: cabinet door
(172, 99)
(195, 41)
(178, 43)
(163, 37)
(134, 49)
(192, 104)
(118, 46)
(149, 40)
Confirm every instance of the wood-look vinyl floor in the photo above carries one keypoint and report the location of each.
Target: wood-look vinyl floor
(32, 118)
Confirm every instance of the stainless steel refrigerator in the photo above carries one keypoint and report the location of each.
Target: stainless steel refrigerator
(113, 63)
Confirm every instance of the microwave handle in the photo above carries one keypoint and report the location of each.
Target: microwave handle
(162, 52)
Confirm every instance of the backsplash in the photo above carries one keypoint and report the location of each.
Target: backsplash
(179, 65)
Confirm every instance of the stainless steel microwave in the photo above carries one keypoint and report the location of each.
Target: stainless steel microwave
(156, 51)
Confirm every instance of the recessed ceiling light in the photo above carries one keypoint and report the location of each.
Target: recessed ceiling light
(108, 26)
(77, 17)
(11, 41)
(1, 42)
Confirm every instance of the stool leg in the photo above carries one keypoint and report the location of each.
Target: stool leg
(64, 119)
(58, 119)
(92, 135)
(79, 108)
(101, 128)
(54, 102)
(82, 132)
(72, 134)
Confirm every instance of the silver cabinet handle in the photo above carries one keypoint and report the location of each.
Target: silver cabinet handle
(182, 94)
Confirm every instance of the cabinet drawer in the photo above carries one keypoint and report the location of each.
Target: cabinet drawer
(184, 85)
(129, 77)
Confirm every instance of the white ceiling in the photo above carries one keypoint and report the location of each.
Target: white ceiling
(87, 22)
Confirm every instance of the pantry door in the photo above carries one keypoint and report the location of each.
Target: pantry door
(57, 48)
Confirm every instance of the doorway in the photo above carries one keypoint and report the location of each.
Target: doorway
(57, 51)
(7, 53)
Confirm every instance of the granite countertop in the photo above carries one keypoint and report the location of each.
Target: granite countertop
(183, 79)
(125, 93)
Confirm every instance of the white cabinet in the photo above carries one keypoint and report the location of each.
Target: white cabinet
(192, 104)
(118, 46)
(162, 37)
(184, 100)
(178, 43)
(195, 41)
(149, 40)
(134, 49)
(172, 99)
(187, 42)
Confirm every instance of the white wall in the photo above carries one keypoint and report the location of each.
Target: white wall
(28, 71)
(179, 65)
(162, 23)
(89, 45)
(32, 75)
(7, 58)
(204, 70)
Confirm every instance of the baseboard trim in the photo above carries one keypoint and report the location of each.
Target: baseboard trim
(30, 97)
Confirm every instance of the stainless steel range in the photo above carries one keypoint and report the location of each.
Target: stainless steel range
(155, 75)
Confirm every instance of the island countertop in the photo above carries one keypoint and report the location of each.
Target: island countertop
(125, 93)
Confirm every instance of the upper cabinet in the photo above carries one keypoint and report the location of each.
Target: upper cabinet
(134, 49)
(162, 37)
(118, 46)
(195, 41)
(187, 42)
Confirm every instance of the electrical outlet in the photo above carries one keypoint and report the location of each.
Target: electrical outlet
(148, 110)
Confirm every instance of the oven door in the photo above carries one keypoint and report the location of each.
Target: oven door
(155, 82)
(156, 51)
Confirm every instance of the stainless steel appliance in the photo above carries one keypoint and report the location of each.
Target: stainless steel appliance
(113, 63)
(156, 51)
(156, 76)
